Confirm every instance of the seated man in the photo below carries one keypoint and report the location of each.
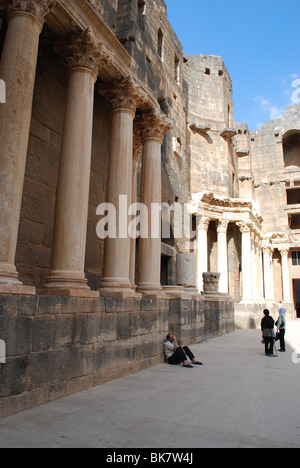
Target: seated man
(176, 354)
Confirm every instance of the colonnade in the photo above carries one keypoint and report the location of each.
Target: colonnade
(256, 261)
(130, 136)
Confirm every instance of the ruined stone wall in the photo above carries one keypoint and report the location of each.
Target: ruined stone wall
(210, 111)
(272, 176)
(58, 346)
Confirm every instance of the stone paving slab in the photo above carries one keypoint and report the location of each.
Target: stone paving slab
(240, 398)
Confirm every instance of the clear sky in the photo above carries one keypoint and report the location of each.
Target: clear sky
(259, 41)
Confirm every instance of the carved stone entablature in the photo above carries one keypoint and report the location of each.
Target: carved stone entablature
(83, 50)
(154, 124)
(279, 240)
(38, 9)
(124, 94)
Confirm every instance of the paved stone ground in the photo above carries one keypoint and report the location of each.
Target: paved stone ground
(240, 398)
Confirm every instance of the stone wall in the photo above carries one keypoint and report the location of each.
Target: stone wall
(210, 111)
(57, 346)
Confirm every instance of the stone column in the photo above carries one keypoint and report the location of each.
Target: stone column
(254, 265)
(223, 255)
(268, 277)
(17, 70)
(137, 150)
(245, 229)
(260, 271)
(124, 97)
(67, 276)
(285, 273)
(202, 230)
(153, 127)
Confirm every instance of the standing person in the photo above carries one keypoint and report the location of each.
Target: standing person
(175, 354)
(281, 327)
(267, 328)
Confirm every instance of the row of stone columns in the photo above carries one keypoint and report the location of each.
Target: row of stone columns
(84, 56)
(257, 271)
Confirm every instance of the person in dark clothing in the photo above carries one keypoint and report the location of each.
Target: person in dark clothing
(267, 328)
(175, 354)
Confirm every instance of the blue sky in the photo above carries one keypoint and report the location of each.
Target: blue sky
(259, 41)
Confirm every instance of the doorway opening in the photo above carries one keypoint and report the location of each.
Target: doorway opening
(296, 288)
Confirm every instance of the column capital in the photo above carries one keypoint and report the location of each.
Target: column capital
(266, 249)
(245, 226)
(284, 249)
(203, 224)
(154, 124)
(222, 226)
(123, 94)
(38, 10)
(82, 51)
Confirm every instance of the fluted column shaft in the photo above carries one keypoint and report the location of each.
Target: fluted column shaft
(67, 276)
(17, 70)
(223, 255)
(154, 125)
(123, 97)
(202, 230)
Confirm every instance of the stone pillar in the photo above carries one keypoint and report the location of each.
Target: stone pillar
(67, 275)
(153, 127)
(17, 70)
(245, 229)
(260, 271)
(268, 276)
(137, 149)
(223, 255)
(124, 98)
(202, 229)
(254, 265)
(186, 271)
(285, 273)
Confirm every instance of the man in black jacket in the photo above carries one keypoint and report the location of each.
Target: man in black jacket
(267, 328)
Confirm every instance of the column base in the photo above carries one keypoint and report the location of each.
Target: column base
(18, 289)
(176, 292)
(67, 284)
(69, 292)
(154, 291)
(118, 288)
(193, 292)
(10, 283)
(119, 293)
(216, 296)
